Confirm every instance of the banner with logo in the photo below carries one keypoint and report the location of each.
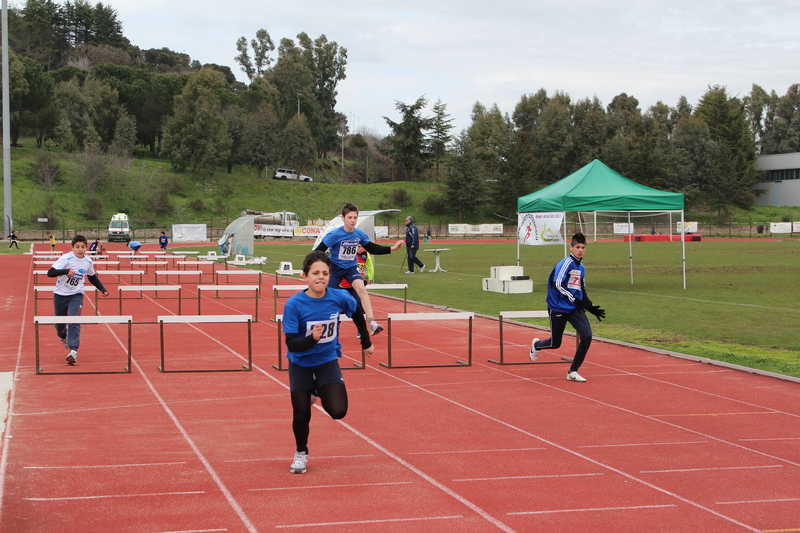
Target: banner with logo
(480, 229)
(537, 229)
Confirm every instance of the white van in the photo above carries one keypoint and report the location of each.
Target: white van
(119, 229)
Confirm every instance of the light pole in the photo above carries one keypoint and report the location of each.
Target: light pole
(6, 126)
(298, 106)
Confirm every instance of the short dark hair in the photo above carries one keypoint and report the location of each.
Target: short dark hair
(349, 208)
(313, 257)
(578, 238)
(79, 238)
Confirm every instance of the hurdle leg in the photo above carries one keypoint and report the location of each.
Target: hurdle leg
(279, 366)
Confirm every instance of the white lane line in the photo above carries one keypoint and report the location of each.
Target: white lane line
(316, 458)
(710, 468)
(106, 496)
(347, 485)
(776, 500)
(642, 444)
(776, 438)
(529, 477)
(476, 451)
(194, 531)
(358, 522)
(594, 509)
(102, 466)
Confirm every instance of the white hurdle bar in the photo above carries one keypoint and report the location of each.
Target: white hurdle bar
(523, 314)
(52, 288)
(52, 320)
(209, 319)
(229, 273)
(179, 273)
(426, 316)
(278, 273)
(141, 288)
(217, 288)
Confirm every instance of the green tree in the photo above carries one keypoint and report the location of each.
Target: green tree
(38, 112)
(552, 141)
(440, 134)
(589, 132)
(782, 128)
(262, 138)
(407, 145)
(262, 46)
(196, 137)
(726, 120)
(464, 187)
(299, 150)
(326, 61)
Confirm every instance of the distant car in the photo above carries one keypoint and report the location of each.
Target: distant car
(289, 174)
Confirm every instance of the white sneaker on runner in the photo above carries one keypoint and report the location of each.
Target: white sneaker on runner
(374, 327)
(574, 376)
(409, 272)
(422, 269)
(64, 342)
(534, 353)
(72, 357)
(299, 463)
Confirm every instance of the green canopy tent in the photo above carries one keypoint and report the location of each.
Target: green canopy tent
(595, 187)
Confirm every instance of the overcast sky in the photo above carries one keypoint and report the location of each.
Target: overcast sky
(463, 51)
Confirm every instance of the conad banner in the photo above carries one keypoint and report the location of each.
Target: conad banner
(537, 229)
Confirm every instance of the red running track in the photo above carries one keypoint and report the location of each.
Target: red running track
(650, 443)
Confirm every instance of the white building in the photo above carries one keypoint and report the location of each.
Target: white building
(782, 182)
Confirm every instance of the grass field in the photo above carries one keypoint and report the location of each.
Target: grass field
(741, 303)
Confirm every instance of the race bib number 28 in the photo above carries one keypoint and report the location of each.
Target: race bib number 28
(328, 330)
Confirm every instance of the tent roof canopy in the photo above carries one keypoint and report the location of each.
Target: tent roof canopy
(595, 187)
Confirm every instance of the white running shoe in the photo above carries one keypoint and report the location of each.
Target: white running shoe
(72, 358)
(422, 269)
(574, 376)
(534, 353)
(64, 342)
(409, 272)
(299, 463)
(374, 327)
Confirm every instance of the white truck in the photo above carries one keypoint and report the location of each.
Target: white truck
(119, 229)
(278, 224)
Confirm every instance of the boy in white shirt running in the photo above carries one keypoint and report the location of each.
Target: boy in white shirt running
(72, 270)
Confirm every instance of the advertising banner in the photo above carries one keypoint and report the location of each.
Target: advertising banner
(780, 227)
(622, 228)
(188, 232)
(481, 229)
(272, 230)
(538, 229)
(691, 227)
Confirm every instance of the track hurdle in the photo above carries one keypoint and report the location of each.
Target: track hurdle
(148, 264)
(37, 320)
(525, 314)
(179, 273)
(389, 286)
(288, 288)
(356, 366)
(120, 273)
(218, 288)
(216, 319)
(51, 288)
(219, 273)
(286, 272)
(427, 316)
(155, 288)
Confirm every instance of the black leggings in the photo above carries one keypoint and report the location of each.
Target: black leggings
(334, 401)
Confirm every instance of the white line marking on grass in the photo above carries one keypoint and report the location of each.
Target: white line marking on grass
(104, 466)
(594, 509)
(528, 477)
(776, 500)
(698, 300)
(357, 522)
(476, 451)
(642, 444)
(106, 496)
(347, 485)
(710, 468)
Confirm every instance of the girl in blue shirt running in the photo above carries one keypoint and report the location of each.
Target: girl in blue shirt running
(311, 326)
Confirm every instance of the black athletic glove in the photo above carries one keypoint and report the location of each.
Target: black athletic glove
(596, 311)
(580, 304)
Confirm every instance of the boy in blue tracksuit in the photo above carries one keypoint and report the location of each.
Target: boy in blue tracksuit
(567, 302)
